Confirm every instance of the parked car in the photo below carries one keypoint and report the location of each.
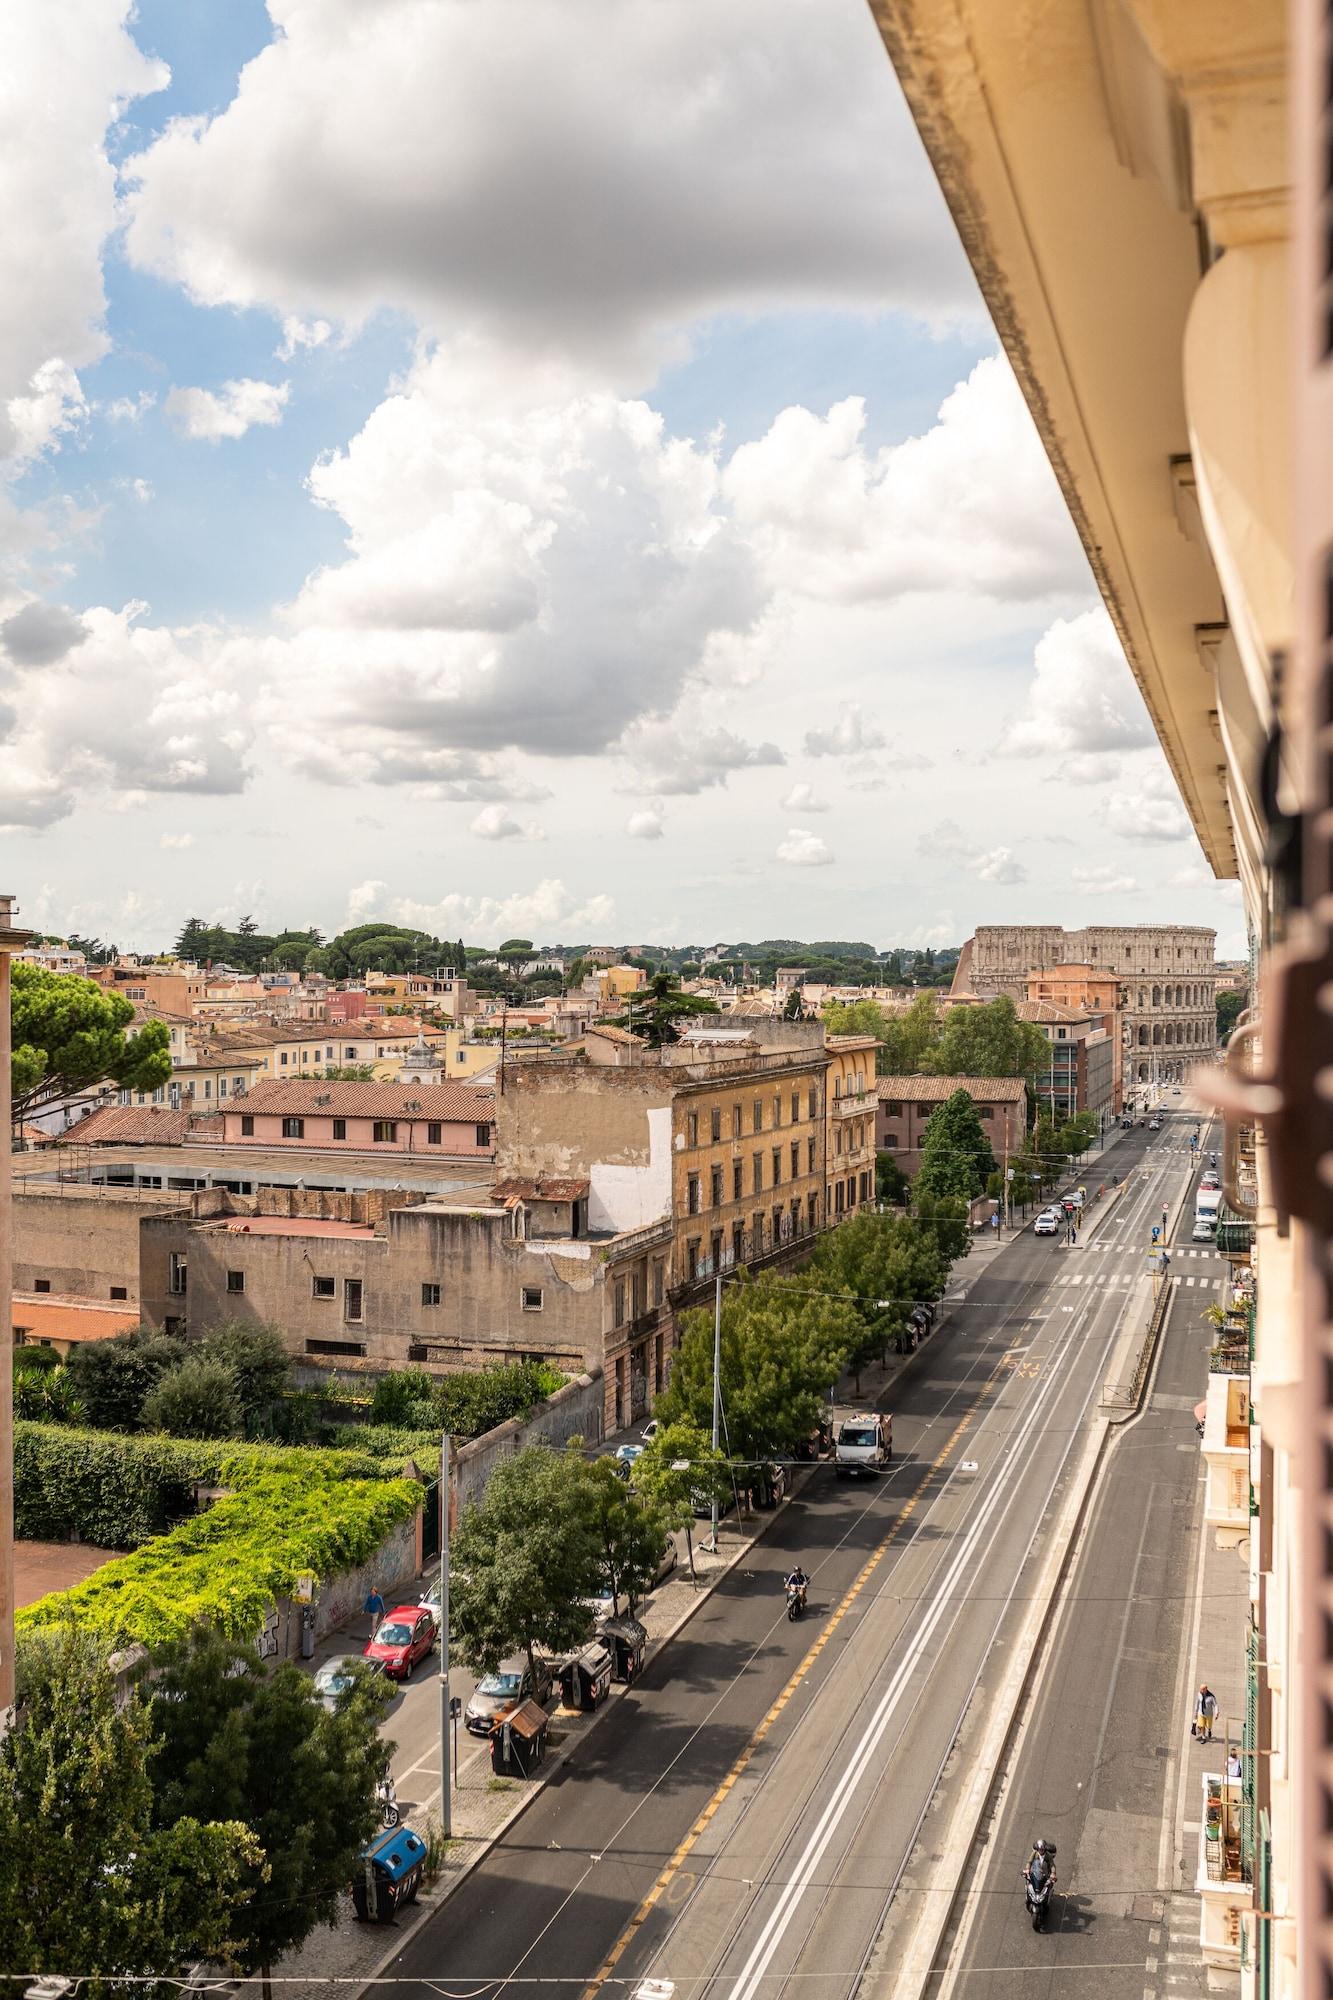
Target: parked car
(513, 1681)
(627, 1453)
(1047, 1224)
(1204, 1230)
(1209, 1178)
(337, 1677)
(405, 1636)
(650, 1430)
(429, 1600)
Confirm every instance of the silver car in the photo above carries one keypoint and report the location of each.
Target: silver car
(512, 1682)
(337, 1677)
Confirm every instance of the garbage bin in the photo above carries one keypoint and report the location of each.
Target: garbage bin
(308, 1633)
(587, 1677)
(389, 1874)
(518, 1740)
(626, 1640)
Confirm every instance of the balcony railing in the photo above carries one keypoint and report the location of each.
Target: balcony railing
(850, 1103)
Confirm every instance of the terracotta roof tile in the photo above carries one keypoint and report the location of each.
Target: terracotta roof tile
(43, 1318)
(129, 1125)
(458, 1103)
(936, 1089)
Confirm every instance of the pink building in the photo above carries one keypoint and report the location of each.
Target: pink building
(449, 1120)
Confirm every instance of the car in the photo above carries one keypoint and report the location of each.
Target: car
(337, 1677)
(403, 1636)
(771, 1485)
(1204, 1230)
(1046, 1225)
(1154, 1124)
(429, 1600)
(1176, 1091)
(650, 1430)
(513, 1681)
(1209, 1178)
(627, 1453)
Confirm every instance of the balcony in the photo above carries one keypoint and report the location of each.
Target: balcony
(1226, 1450)
(1223, 1879)
(854, 1103)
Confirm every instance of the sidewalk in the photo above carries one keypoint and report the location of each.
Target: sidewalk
(484, 1805)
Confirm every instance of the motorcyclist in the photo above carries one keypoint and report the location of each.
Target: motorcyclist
(1041, 1850)
(798, 1581)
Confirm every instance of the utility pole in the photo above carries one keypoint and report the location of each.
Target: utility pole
(717, 1393)
(11, 940)
(446, 1776)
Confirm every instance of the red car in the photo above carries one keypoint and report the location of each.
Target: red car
(404, 1637)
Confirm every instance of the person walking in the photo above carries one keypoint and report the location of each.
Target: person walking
(1234, 1765)
(1205, 1710)
(375, 1608)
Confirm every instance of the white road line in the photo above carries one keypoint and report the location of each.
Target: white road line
(843, 1787)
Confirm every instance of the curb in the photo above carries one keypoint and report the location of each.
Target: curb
(423, 1912)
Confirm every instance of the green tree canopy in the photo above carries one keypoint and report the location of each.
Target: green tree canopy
(259, 1365)
(113, 1377)
(989, 1040)
(910, 1037)
(1230, 1007)
(679, 1468)
(68, 1033)
(631, 1533)
(956, 1157)
(944, 1216)
(528, 1556)
(657, 1013)
(90, 1881)
(886, 1265)
(262, 1749)
(782, 1350)
(196, 1399)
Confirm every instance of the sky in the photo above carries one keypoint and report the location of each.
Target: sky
(542, 469)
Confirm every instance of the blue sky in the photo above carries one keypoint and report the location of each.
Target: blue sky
(561, 481)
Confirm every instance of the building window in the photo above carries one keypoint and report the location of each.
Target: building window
(434, 1132)
(777, 1110)
(349, 1055)
(809, 1156)
(892, 1110)
(619, 1307)
(483, 1136)
(737, 1180)
(352, 1299)
(173, 1327)
(795, 1158)
(890, 1142)
(692, 1195)
(430, 1295)
(715, 1249)
(532, 1298)
(759, 1114)
(715, 1187)
(716, 1123)
(735, 1121)
(346, 1347)
(659, 1281)
(323, 1288)
(811, 1104)
(692, 1128)
(777, 1166)
(795, 1107)
(119, 1292)
(283, 1058)
(692, 1257)
(247, 1128)
(758, 1173)
(176, 1274)
(293, 1128)
(340, 1128)
(384, 1131)
(235, 1281)
(41, 1284)
(812, 1208)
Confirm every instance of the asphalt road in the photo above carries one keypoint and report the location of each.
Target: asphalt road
(1096, 1768)
(739, 1821)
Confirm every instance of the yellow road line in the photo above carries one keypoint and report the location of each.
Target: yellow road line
(687, 1845)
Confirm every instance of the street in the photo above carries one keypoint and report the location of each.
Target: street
(745, 1814)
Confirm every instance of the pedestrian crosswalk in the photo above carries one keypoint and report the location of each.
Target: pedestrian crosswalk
(1126, 1280)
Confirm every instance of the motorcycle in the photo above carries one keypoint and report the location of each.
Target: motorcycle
(795, 1600)
(1038, 1879)
(386, 1797)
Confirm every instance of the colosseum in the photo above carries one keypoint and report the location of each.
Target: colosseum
(1167, 975)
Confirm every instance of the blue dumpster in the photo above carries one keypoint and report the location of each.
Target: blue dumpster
(390, 1874)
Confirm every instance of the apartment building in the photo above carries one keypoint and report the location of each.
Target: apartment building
(1143, 192)
(1101, 996)
(849, 1140)
(449, 1120)
(1080, 1075)
(905, 1105)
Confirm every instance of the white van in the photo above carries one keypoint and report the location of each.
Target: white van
(1207, 1203)
(864, 1445)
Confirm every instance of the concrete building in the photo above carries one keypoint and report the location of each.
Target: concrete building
(454, 1120)
(849, 1142)
(1142, 191)
(1081, 1075)
(1168, 1018)
(1098, 994)
(906, 1103)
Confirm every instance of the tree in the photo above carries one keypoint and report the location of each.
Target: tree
(657, 1012)
(989, 1041)
(945, 1216)
(891, 1183)
(196, 1399)
(1230, 1007)
(519, 947)
(263, 1749)
(1076, 1134)
(112, 1377)
(88, 1881)
(886, 1265)
(856, 1017)
(260, 1368)
(68, 1033)
(909, 1037)
(528, 1556)
(678, 1471)
(190, 943)
(782, 1350)
(956, 1158)
(631, 1534)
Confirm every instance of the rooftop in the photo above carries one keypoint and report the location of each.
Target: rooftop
(540, 1189)
(47, 1318)
(129, 1125)
(936, 1089)
(455, 1102)
(292, 1225)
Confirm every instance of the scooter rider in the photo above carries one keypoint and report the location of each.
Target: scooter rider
(1041, 1849)
(798, 1581)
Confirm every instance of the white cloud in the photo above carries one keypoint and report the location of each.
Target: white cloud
(40, 634)
(176, 840)
(29, 799)
(848, 737)
(142, 490)
(1152, 811)
(498, 823)
(130, 409)
(537, 181)
(646, 825)
(299, 333)
(1082, 700)
(803, 799)
(1102, 882)
(547, 911)
(970, 506)
(803, 849)
(229, 412)
(67, 73)
(675, 761)
(999, 865)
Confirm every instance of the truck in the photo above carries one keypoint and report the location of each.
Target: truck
(1207, 1203)
(864, 1445)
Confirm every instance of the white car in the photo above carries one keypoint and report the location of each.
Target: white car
(1205, 1229)
(1047, 1224)
(650, 1430)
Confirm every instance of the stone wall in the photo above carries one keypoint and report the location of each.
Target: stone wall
(574, 1411)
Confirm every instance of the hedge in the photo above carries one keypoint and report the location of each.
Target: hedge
(117, 1490)
(225, 1567)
